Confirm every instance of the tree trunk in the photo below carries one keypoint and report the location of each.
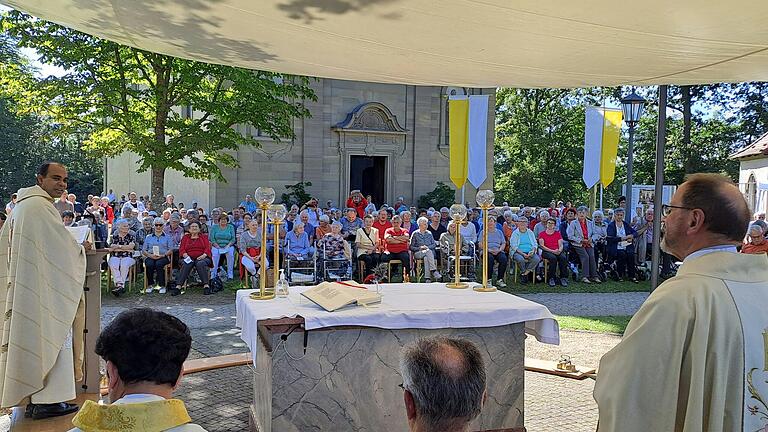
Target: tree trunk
(162, 71)
(157, 188)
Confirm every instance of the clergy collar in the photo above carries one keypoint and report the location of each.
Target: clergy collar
(726, 265)
(708, 250)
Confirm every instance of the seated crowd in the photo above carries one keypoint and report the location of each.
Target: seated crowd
(556, 242)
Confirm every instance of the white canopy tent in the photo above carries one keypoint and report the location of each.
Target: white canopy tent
(474, 43)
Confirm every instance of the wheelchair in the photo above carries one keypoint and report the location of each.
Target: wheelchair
(299, 270)
(333, 268)
(467, 263)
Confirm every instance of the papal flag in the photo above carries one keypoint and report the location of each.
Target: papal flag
(601, 142)
(468, 131)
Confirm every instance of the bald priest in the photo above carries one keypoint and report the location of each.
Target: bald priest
(694, 357)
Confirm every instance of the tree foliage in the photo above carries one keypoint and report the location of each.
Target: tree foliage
(540, 137)
(128, 99)
(442, 195)
(539, 144)
(27, 139)
(297, 194)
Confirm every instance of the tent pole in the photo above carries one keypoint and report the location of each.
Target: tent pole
(661, 138)
(462, 196)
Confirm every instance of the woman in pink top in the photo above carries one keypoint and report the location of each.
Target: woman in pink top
(551, 244)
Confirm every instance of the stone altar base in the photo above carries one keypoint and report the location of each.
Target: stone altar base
(349, 378)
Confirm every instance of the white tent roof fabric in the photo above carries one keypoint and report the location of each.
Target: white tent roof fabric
(473, 43)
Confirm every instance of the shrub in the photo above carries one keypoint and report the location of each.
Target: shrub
(442, 196)
(297, 194)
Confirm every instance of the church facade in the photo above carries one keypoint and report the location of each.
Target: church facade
(387, 140)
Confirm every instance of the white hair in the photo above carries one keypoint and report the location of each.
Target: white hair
(421, 220)
(755, 229)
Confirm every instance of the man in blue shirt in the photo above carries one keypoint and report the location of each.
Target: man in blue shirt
(249, 204)
(350, 224)
(157, 251)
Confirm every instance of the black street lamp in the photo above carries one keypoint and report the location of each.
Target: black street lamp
(632, 106)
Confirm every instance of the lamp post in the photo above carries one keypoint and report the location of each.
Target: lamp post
(632, 106)
(485, 202)
(458, 213)
(276, 214)
(264, 196)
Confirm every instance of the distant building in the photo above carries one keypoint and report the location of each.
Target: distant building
(387, 140)
(753, 173)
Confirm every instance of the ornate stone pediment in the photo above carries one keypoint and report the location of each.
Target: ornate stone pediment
(370, 117)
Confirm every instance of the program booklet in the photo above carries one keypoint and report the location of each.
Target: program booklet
(81, 233)
(335, 295)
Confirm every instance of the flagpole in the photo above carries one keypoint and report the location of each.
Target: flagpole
(462, 195)
(601, 196)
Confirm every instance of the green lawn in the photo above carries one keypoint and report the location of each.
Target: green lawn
(610, 286)
(600, 324)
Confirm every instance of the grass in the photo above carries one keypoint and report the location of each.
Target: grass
(599, 324)
(609, 286)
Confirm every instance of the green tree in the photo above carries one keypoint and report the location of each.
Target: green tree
(173, 113)
(539, 146)
(442, 195)
(297, 194)
(27, 140)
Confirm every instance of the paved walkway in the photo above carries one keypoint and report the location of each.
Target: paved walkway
(595, 304)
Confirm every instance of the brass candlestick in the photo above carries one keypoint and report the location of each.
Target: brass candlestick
(277, 213)
(264, 197)
(458, 212)
(485, 202)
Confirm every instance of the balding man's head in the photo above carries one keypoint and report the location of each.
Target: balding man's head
(707, 210)
(726, 213)
(445, 381)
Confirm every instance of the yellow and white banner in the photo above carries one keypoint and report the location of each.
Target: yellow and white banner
(458, 124)
(468, 132)
(602, 131)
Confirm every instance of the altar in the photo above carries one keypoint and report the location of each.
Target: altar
(319, 370)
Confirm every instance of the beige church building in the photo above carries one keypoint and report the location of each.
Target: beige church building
(386, 140)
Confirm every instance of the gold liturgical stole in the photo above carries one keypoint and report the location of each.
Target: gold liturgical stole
(153, 416)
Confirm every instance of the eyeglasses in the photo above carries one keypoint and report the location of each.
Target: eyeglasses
(159, 225)
(666, 209)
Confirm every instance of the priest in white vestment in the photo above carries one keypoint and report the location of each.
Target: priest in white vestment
(694, 358)
(42, 271)
(144, 351)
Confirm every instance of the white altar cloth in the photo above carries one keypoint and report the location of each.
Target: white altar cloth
(403, 306)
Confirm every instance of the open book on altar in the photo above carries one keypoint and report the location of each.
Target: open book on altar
(335, 295)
